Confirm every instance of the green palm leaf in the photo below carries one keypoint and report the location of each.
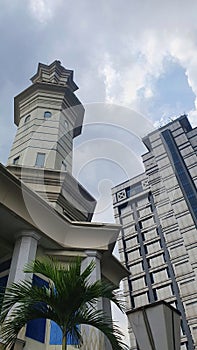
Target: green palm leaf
(70, 299)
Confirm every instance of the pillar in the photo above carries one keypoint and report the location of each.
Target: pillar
(108, 313)
(24, 252)
(92, 338)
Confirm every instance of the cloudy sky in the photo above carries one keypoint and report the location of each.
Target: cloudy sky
(135, 63)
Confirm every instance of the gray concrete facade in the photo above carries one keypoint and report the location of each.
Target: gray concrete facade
(158, 213)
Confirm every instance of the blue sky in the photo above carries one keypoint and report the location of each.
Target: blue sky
(173, 95)
(135, 65)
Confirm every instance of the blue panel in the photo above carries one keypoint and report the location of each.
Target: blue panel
(70, 341)
(56, 336)
(36, 328)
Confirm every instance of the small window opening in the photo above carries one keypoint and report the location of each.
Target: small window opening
(27, 119)
(47, 114)
(64, 165)
(16, 160)
(40, 159)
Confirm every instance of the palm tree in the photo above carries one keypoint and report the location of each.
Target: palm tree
(69, 300)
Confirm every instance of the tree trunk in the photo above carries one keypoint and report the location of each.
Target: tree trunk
(64, 342)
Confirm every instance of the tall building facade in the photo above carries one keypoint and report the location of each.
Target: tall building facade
(158, 213)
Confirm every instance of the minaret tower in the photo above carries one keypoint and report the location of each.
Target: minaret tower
(49, 116)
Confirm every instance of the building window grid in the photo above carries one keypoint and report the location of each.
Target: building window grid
(182, 174)
(154, 291)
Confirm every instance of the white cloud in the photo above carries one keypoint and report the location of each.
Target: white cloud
(193, 118)
(111, 79)
(43, 10)
(150, 38)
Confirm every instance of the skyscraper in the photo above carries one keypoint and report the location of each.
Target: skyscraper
(158, 213)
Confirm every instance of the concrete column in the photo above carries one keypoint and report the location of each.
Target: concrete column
(92, 338)
(24, 252)
(95, 256)
(108, 313)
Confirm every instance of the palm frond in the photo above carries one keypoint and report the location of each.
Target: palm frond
(69, 299)
(97, 319)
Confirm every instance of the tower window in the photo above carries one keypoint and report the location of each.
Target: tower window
(16, 160)
(64, 166)
(47, 114)
(27, 119)
(40, 160)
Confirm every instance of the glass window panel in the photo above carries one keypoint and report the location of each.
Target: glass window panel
(47, 114)
(40, 160)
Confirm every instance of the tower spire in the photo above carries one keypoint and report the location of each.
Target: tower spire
(54, 73)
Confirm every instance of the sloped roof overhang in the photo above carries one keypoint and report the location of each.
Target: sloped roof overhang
(31, 211)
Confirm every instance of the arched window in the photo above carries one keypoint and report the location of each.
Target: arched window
(27, 118)
(16, 160)
(47, 114)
